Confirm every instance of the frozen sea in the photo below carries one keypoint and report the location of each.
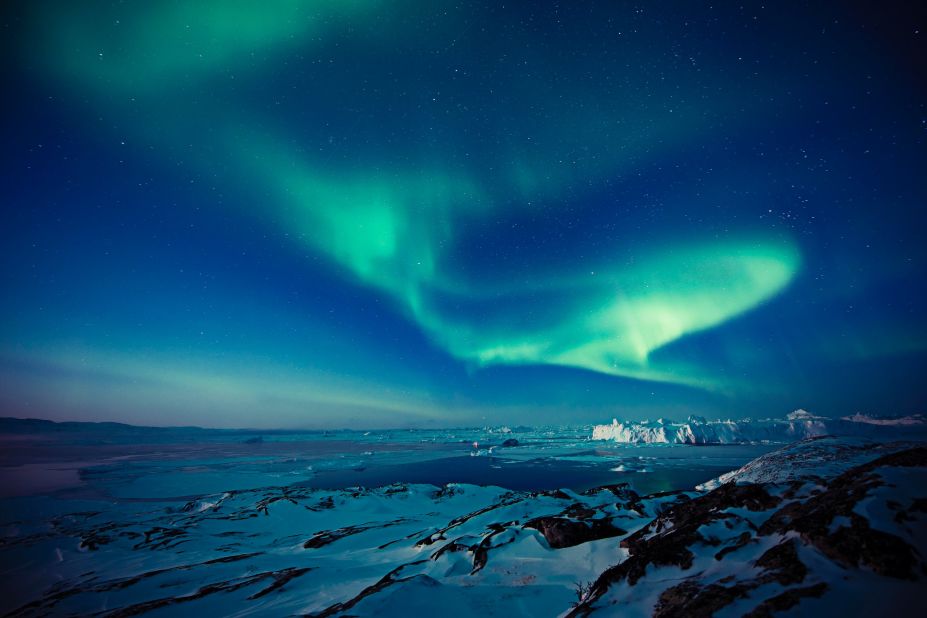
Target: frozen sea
(124, 521)
(100, 462)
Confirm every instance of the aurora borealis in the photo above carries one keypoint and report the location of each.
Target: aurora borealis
(332, 213)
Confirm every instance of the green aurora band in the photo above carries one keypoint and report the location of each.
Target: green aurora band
(393, 224)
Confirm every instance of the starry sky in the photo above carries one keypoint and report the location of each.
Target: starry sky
(417, 213)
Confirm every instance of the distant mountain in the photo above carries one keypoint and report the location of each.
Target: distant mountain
(12, 425)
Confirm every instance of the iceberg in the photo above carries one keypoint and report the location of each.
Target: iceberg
(797, 425)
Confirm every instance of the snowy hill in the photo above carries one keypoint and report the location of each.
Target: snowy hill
(808, 460)
(845, 538)
(835, 526)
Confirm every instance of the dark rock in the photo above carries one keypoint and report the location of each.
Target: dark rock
(561, 532)
(630, 499)
(481, 551)
(918, 506)
(326, 537)
(266, 502)
(324, 504)
(279, 579)
(385, 582)
(858, 543)
(93, 541)
(781, 564)
(453, 546)
(786, 600)
(160, 537)
(691, 600)
(510, 442)
(739, 542)
(579, 511)
(504, 500)
(666, 540)
(446, 492)
(669, 540)
(559, 494)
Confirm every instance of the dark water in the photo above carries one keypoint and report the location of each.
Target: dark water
(40, 465)
(650, 470)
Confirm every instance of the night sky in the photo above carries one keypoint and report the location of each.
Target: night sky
(416, 213)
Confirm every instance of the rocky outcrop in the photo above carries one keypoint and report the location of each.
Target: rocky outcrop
(561, 532)
(826, 519)
(783, 522)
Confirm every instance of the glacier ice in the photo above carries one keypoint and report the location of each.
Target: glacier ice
(797, 425)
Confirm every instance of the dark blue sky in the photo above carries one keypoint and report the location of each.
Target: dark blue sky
(408, 213)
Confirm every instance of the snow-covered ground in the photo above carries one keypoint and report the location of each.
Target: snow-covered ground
(797, 425)
(820, 526)
(832, 526)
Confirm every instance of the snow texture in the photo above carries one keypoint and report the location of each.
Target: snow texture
(822, 526)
